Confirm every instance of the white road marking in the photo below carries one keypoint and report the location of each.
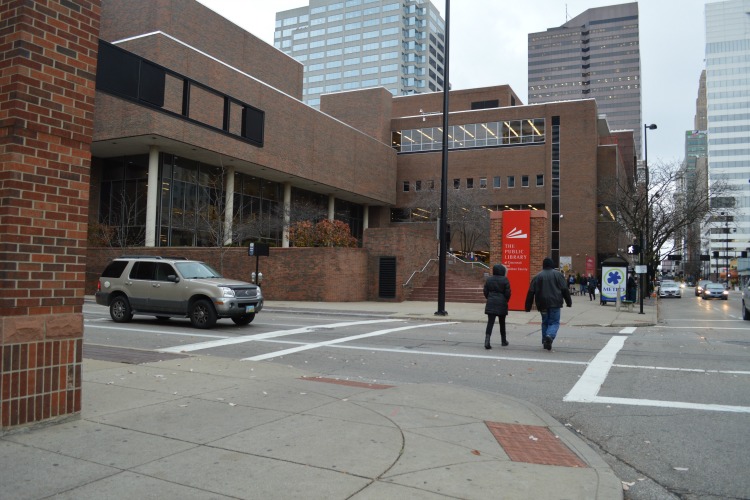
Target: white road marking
(628, 330)
(700, 328)
(268, 335)
(341, 340)
(587, 388)
(594, 376)
(158, 332)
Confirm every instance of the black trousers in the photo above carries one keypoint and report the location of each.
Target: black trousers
(491, 323)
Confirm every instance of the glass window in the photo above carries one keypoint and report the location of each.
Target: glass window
(335, 29)
(335, 17)
(406, 186)
(511, 181)
(525, 181)
(496, 182)
(335, 6)
(418, 186)
(456, 183)
(540, 179)
(469, 183)
(353, 14)
(483, 183)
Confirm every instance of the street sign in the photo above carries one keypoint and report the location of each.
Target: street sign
(641, 269)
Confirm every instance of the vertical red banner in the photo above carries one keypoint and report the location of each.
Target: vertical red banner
(517, 254)
(590, 265)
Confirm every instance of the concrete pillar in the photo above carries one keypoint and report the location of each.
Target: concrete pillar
(366, 217)
(228, 204)
(331, 207)
(287, 214)
(152, 198)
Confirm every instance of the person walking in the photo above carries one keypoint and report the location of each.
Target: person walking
(592, 284)
(497, 293)
(548, 289)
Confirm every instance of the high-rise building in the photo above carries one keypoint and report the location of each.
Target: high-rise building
(594, 55)
(728, 90)
(701, 112)
(353, 44)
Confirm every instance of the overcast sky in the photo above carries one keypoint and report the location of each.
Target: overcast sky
(489, 46)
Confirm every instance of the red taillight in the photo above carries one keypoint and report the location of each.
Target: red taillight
(98, 286)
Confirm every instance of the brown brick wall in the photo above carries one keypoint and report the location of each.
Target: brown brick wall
(301, 145)
(46, 125)
(306, 274)
(413, 245)
(200, 27)
(580, 167)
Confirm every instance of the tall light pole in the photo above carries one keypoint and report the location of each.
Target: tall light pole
(442, 258)
(645, 240)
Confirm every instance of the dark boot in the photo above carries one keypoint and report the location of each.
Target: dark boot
(487, 341)
(503, 339)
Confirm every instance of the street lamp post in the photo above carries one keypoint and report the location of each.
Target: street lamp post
(645, 239)
(443, 223)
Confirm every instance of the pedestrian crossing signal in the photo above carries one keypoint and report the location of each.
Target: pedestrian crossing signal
(634, 249)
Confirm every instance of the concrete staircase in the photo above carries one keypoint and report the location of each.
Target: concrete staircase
(462, 284)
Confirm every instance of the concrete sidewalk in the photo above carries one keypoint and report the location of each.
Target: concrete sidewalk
(583, 313)
(182, 426)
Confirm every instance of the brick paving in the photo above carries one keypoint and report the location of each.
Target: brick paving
(533, 444)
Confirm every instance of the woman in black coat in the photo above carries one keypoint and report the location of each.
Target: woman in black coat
(497, 293)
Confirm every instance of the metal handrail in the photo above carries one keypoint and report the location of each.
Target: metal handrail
(420, 271)
(453, 256)
(471, 263)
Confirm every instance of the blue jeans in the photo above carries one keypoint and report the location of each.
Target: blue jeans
(550, 322)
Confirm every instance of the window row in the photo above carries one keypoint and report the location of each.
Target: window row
(471, 135)
(469, 183)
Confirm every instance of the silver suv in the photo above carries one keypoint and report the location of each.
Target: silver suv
(170, 287)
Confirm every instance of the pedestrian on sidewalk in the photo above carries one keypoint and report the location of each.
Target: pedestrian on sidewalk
(497, 293)
(548, 289)
(592, 285)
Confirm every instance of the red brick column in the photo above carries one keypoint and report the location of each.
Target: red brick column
(48, 53)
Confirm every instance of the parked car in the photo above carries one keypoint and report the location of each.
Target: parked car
(670, 289)
(167, 287)
(700, 286)
(715, 291)
(746, 302)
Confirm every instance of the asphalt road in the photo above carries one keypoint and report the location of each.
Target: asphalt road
(668, 406)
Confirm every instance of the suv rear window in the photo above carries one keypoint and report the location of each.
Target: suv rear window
(115, 269)
(143, 271)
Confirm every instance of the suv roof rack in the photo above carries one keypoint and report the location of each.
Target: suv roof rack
(139, 257)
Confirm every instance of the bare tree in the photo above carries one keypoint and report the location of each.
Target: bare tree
(662, 206)
(469, 222)
(125, 226)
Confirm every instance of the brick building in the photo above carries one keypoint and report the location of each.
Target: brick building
(198, 125)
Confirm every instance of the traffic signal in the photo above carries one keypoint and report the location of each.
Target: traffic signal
(634, 249)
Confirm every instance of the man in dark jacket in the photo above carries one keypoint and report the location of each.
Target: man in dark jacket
(549, 290)
(497, 293)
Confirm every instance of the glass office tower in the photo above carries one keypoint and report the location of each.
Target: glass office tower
(353, 44)
(728, 98)
(595, 54)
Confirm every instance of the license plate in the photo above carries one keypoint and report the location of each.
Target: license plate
(249, 309)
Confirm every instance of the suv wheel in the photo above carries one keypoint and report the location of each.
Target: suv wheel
(120, 310)
(244, 319)
(202, 314)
